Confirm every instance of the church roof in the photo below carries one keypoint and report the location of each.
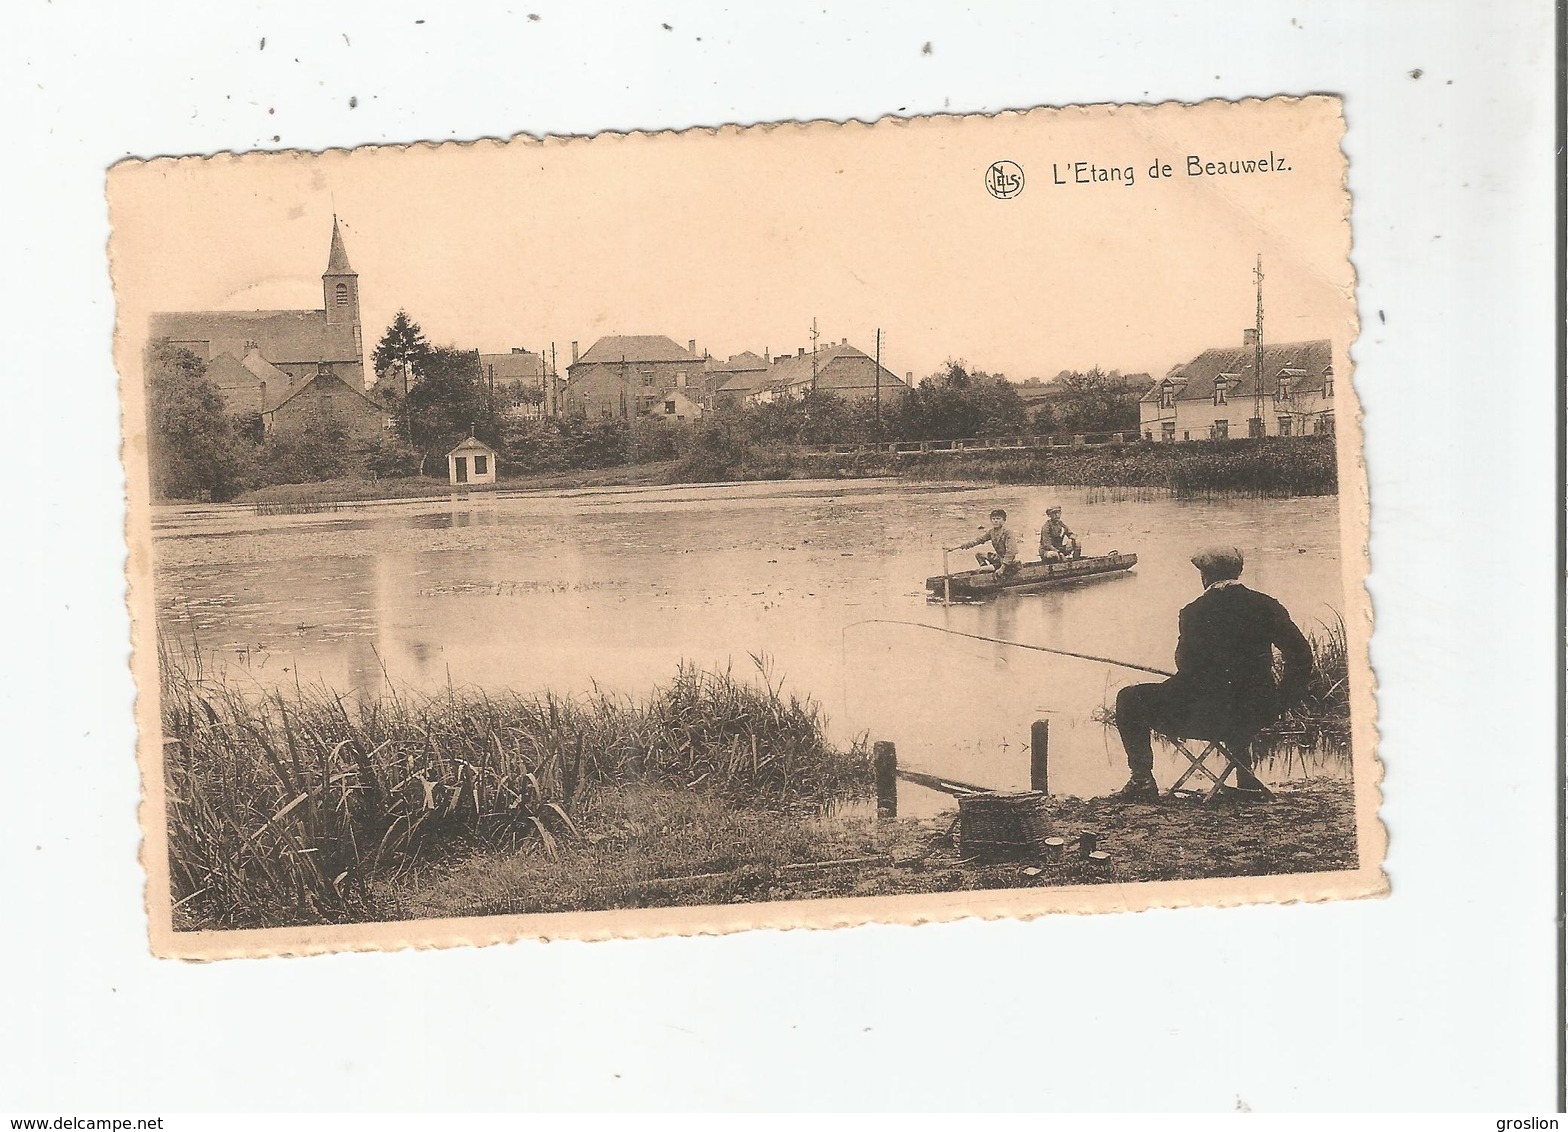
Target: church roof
(337, 258)
(282, 336)
(322, 376)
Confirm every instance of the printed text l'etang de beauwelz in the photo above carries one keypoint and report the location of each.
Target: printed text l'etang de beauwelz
(1196, 165)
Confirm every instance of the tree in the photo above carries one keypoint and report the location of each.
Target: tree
(1096, 401)
(955, 402)
(401, 350)
(193, 448)
(449, 400)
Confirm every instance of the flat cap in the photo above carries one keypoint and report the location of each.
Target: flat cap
(1223, 560)
(1053, 510)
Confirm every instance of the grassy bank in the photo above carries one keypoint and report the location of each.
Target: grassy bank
(656, 856)
(302, 497)
(302, 807)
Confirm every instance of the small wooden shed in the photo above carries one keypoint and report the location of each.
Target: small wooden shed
(471, 462)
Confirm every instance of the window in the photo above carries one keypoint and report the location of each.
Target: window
(669, 406)
(1220, 431)
(1168, 431)
(1185, 435)
(647, 378)
(1166, 396)
(342, 294)
(1222, 385)
(481, 465)
(1284, 426)
(1284, 388)
(680, 379)
(1255, 426)
(1324, 425)
(1328, 384)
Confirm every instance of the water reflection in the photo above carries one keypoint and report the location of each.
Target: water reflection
(616, 588)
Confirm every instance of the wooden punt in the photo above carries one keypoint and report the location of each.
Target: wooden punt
(976, 585)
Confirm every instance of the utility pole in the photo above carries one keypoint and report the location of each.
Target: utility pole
(1257, 348)
(879, 384)
(813, 354)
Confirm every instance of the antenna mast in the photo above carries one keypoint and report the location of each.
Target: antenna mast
(814, 354)
(1257, 347)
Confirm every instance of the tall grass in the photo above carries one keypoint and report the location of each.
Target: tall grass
(1321, 717)
(288, 808)
(1271, 468)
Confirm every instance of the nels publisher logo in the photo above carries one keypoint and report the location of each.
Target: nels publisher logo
(1004, 179)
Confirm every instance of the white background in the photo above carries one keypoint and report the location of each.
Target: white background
(1441, 997)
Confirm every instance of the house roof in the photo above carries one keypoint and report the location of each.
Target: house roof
(240, 387)
(513, 366)
(1304, 364)
(636, 348)
(595, 373)
(300, 387)
(472, 444)
(840, 366)
(263, 370)
(743, 382)
(282, 336)
(743, 362)
(337, 257)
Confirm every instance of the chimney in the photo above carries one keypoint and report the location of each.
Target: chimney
(519, 350)
(800, 351)
(765, 355)
(574, 351)
(843, 341)
(1249, 336)
(909, 377)
(691, 346)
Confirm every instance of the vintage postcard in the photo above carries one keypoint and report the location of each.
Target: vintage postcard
(795, 525)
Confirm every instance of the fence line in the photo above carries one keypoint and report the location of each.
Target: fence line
(972, 444)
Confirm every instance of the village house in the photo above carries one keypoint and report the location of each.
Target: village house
(838, 368)
(628, 375)
(522, 382)
(744, 364)
(326, 398)
(245, 350)
(1217, 395)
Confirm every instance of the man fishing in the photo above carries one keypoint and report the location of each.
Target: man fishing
(1003, 555)
(1057, 541)
(1224, 684)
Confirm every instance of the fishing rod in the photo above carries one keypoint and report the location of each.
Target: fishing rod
(1014, 644)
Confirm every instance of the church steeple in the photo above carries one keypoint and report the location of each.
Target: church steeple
(337, 258)
(340, 294)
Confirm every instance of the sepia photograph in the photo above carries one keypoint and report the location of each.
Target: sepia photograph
(794, 525)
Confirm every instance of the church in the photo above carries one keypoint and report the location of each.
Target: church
(284, 364)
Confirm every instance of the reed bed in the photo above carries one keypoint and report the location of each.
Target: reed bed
(1270, 468)
(294, 806)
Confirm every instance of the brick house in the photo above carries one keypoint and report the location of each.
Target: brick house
(1217, 395)
(646, 366)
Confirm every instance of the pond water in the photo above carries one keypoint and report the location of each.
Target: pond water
(616, 587)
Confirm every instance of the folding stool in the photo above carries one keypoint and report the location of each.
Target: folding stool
(1199, 765)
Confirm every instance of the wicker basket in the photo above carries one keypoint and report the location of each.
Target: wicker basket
(992, 826)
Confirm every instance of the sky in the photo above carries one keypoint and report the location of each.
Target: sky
(739, 238)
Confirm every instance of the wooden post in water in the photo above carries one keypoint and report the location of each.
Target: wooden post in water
(884, 767)
(1039, 756)
(947, 580)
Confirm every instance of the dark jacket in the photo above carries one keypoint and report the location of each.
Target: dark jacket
(1225, 658)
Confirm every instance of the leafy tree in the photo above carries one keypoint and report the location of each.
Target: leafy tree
(450, 399)
(1096, 401)
(193, 448)
(321, 448)
(954, 403)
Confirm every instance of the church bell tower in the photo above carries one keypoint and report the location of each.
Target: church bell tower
(340, 293)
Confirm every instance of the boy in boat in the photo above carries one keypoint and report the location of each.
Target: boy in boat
(1057, 541)
(1003, 555)
(1224, 684)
